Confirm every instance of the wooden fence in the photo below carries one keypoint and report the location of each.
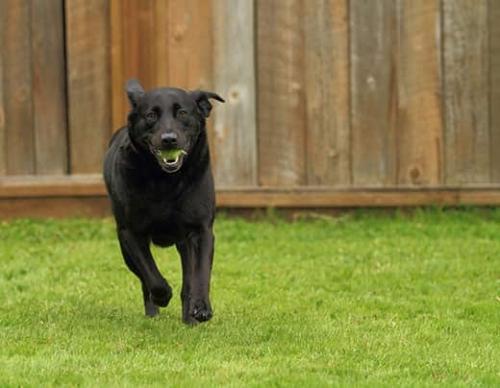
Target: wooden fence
(329, 102)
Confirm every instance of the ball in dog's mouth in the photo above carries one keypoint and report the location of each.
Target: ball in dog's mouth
(170, 160)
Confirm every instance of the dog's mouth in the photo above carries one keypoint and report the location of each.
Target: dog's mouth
(170, 160)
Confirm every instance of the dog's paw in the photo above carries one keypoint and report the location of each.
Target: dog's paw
(203, 314)
(151, 310)
(161, 295)
(199, 311)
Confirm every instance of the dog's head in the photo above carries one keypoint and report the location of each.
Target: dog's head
(167, 121)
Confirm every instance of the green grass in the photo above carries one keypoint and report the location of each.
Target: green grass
(363, 299)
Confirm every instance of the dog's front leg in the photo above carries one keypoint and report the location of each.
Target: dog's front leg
(197, 257)
(150, 308)
(138, 256)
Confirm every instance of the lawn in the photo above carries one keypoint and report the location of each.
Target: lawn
(361, 299)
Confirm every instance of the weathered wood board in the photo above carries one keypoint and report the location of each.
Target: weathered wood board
(420, 110)
(3, 128)
(88, 80)
(281, 93)
(466, 78)
(49, 87)
(161, 43)
(373, 92)
(327, 92)
(234, 150)
(190, 44)
(17, 86)
(494, 84)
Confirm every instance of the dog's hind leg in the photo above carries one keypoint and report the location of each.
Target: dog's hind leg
(197, 256)
(156, 291)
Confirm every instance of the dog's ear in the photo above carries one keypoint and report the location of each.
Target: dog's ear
(202, 99)
(134, 92)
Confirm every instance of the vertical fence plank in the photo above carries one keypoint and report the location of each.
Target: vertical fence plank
(374, 92)
(144, 16)
(190, 50)
(162, 43)
(49, 98)
(467, 154)
(420, 116)
(494, 52)
(146, 26)
(327, 92)
(235, 152)
(280, 92)
(161, 46)
(16, 46)
(3, 129)
(138, 58)
(87, 31)
(117, 58)
(132, 25)
(190, 44)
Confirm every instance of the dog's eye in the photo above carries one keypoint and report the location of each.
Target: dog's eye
(181, 114)
(151, 117)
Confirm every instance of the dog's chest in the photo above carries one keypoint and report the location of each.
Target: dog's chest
(168, 214)
(162, 219)
(169, 227)
(157, 212)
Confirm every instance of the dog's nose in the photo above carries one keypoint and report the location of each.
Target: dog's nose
(169, 139)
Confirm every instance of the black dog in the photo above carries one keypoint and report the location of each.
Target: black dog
(157, 173)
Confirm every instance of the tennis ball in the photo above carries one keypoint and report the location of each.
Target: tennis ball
(171, 154)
